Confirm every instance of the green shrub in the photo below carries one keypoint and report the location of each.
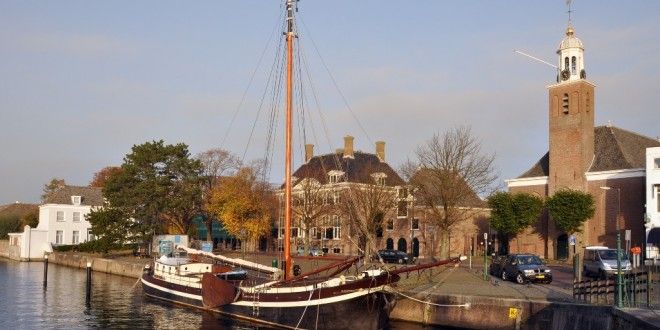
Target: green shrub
(9, 224)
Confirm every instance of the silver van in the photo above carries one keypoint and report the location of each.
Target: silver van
(600, 261)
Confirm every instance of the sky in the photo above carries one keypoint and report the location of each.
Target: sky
(81, 82)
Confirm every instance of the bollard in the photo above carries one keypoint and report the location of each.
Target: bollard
(45, 271)
(88, 293)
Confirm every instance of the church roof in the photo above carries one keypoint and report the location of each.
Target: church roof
(614, 149)
(570, 41)
(357, 169)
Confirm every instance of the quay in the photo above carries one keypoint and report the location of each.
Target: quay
(450, 296)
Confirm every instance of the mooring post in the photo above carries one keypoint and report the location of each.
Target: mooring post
(45, 271)
(88, 293)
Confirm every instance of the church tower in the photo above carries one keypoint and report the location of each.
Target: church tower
(571, 118)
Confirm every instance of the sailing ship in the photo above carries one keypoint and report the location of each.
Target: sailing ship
(325, 298)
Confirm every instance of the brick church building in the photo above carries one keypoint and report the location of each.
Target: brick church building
(605, 161)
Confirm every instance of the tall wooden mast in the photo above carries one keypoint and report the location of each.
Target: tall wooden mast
(289, 110)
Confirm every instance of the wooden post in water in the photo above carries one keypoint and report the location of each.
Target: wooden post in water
(88, 291)
(45, 271)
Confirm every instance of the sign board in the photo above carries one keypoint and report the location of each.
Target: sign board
(513, 313)
(572, 240)
(627, 234)
(165, 247)
(207, 246)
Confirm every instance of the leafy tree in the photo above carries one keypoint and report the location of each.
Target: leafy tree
(243, 203)
(9, 224)
(215, 163)
(31, 219)
(158, 189)
(101, 177)
(51, 187)
(448, 176)
(111, 227)
(512, 213)
(570, 209)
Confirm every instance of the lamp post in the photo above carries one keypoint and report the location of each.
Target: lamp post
(485, 256)
(619, 277)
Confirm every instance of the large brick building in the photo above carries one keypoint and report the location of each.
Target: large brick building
(328, 179)
(606, 161)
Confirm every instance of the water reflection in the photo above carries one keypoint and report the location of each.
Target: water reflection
(117, 303)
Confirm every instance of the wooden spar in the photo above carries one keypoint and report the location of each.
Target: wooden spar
(287, 171)
(341, 266)
(425, 266)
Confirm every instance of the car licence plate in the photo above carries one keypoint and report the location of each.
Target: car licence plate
(540, 276)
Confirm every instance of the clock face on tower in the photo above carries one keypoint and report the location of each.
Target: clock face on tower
(565, 75)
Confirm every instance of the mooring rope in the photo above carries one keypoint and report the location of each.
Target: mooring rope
(466, 305)
(305, 310)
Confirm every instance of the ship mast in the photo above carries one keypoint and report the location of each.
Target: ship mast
(289, 110)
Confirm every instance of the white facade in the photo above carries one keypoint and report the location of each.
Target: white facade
(30, 245)
(571, 57)
(65, 223)
(652, 199)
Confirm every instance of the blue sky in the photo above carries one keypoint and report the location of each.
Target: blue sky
(83, 81)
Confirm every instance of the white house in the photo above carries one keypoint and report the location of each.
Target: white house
(653, 203)
(63, 215)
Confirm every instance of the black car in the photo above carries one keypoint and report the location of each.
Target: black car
(394, 256)
(525, 268)
(495, 269)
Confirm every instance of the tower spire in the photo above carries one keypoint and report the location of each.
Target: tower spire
(569, 12)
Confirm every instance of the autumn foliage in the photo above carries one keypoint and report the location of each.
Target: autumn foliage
(243, 204)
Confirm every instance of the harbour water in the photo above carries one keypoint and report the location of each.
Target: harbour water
(116, 303)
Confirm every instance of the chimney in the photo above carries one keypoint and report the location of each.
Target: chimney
(348, 146)
(309, 152)
(380, 150)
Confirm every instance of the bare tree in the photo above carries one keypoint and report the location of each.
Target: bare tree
(309, 205)
(216, 162)
(448, 176)
(366, 206)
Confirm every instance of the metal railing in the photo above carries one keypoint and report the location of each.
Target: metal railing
(640, 290)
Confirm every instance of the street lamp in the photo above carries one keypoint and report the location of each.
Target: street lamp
(619, 277)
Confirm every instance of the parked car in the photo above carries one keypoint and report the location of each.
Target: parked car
(394, 256)
(525, 268)
(313, 251)
(600, 261)
(495, 269)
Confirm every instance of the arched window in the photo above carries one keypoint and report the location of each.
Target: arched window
(566, 63)
(564, 104)
(573, 65)
(402, 245)
(389, 244)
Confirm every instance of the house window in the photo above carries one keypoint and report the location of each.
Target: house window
(59, 237)
(314, 233)
(390, 224)
(336, 250)
(402, 209)
(402, 192)
(75, 200)
(75, 237)
(414, 224)
(60, 215)
(76, 216)
(295, 232)
(657, 162)
(334, 232)
(657, 197)
(90, 235)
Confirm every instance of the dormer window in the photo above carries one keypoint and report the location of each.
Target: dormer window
(75, 200)
(335, 176)
(379, 178)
